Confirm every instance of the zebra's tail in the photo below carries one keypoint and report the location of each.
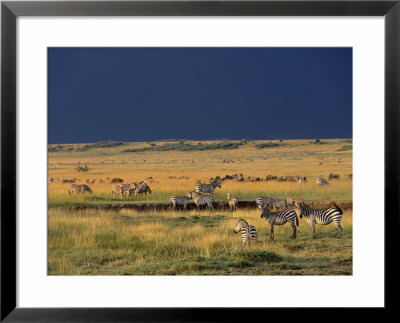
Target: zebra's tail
(337, 207)
(297, 220)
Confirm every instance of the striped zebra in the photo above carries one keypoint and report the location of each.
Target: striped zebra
(200, 199)
(142, 188)
(179, 200)
(207, 188)
(232, 201)
(83, 188)
(249, 233)
(322, 216)
(280, 218)
(121, 190)
(270, 202)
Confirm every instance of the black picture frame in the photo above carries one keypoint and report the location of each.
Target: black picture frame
(10, 10)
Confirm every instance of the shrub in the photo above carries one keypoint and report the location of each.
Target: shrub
(266, 145)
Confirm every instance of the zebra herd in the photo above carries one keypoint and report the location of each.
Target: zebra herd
(280, 217)
(288, 215)
(135, 189)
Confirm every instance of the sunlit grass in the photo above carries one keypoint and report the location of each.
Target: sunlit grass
(128, 242)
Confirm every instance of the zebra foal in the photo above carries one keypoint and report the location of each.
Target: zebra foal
(249, 233)
(322, 216)
(232, 201)
(280, 218)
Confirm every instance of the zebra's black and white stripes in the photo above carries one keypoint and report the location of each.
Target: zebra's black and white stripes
(249, 233)
(270, 202)
(322, 216)
(179, 200)
(200, 199)
(207, 188)
(280, 218)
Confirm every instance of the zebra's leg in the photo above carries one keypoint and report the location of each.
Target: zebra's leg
(294, 229)
(185, 206)
(271, 237)
(340, 230)
(313, 228)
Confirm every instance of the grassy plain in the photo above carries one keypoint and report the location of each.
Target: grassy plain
(94, 242)
(295, 157)
(127, 242)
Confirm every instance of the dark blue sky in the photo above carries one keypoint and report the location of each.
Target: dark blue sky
(145, 94)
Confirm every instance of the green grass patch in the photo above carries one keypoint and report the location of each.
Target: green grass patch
(181, 146)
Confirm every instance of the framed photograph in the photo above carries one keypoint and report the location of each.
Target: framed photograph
(160, 156)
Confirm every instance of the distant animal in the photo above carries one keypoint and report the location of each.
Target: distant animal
(51, 180)
(105, 181)
(350, 176)
(271, 202)
(207, 188)
(82, 188)
(68, 180)
(301, 179)
(321, 216)
(249, 233)
(179, 200)
(118, 189)
(271, 177)
(117, 180)
(200, 199)
(280, 218)
(90, 181)
(232, 201)
(334, 176)
(321, 181)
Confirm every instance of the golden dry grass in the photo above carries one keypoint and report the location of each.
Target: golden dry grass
(296, 157)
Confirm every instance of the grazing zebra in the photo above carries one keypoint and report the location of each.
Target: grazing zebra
(270, 202)
(333, 176)
(321, 181)
(117, 180)
(142, 188)
(322, 216)
(232, 201)
(200, 199)
(280, 218)
(302, 180)
(122, 189)
(207, 188)
(179, 200)
(83, 188)
(249, 233)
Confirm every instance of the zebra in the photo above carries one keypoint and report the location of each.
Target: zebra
(321, 181)
(122, 189)
(142, 188)
(74, 188)
(207, 188)
(232, 201)
(200, 199)
(179, 200)
(249, 233)
(322, 216)
(280, 218)
(270, 202)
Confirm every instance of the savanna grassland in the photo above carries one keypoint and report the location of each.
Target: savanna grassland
(129, 242)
